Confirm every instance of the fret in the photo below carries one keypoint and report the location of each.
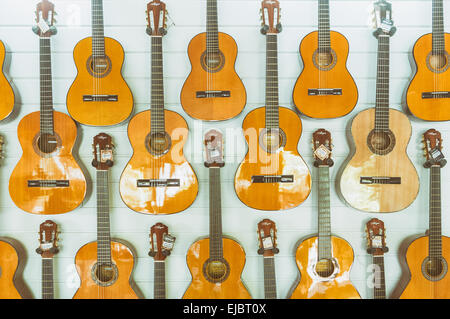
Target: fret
(379, 289)
(215, 215)
(103, 222)
(324, 213)
(438, 37)
(435, 225)
(324, 27)
(47, 278)
(46, 99)
(98, 35)
(382, 86)
(270, 286)
(272, 98)
(212, 34)
(160, 279)
(157, 89)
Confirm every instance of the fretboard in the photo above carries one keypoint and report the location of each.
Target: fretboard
(382, 94)
(212, 31)
(46, 108)
(438, 27)
(324, 213)
(270, 284)
(215, 215)
(157, 89)
(324, 26)
(103, 225)
(47, 278)
(379, 289)
(98, 33)
(272, 112)
(435, 231)
(160, 279)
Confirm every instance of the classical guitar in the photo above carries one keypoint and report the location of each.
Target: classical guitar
(48, 248)
(47, 179)
(99, 96)
(267, 237)
(324, 260)
(380, 177)
(161, 244)
(428, 94)
(213, 91)
(105, 266)
(272, 176)
(216, 262)
(158, 179)
(376, 246)
(325, 88)
(428, 256)
(7, 100)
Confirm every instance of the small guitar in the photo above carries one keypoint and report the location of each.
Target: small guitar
(105, 266)
(215, 263)
(161, 245)
(213, 91)
(380, 177)
(273, 175)
(428, 94)
(48, 248)
(324, 261)
(325, 88)
(158, 179)
(428, 256)
(7, 99)
(376, 246)
(267, 236)
(47, 179)
(99, 96)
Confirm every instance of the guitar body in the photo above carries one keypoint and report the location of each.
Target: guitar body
(144, 165)
(7, 99)
(419, 286)
(107, 82)
(122, 258)
(9, 262)
(432, 75)
(35, 165)
(286, 161)
(311, 285)
(200, 287)
(221, 78)
(332, 75)
(379, 198)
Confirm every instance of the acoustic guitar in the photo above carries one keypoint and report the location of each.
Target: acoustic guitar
(380, 177)
(105, 266)
(325, 88)
(161, 245)
(376, 246)
(428, 94)
(273, 175)
(99, 95)
(213, 91)
(324, 260)
(47, 179)
(428, 256)
(7, 100)
(267, 237)
(216, 262)
(158, 179)
(48, 248)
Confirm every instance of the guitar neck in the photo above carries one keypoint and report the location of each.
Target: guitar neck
(103, 224)
(270, 284)
(324, 214)
(435, 224)
(98, 33)
(46, 108)
(215, 214)
(159, 287)
(438, 28)
(47, 278)
(324, 27)
(382, 94)
(272, 112)
(157, 89)
(379, 289)
(212, 29)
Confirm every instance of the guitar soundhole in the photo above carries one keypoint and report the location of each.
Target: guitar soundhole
(212, 61)
(324, 61)
(158, 143)
(438, 63)
(216, 271)
(104, 274)
(381, 142)
(271, 140)
(46, 145)
(434, 268)
(99, 67)
(325, 268)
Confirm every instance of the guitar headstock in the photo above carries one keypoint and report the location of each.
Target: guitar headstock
(432, 140)
(48, 239)
(376, 237)
(156, 18)
(103, 152)
(45, 19)
(271, 17)
(267, 236)
(2, 143)
(214, 149)
(161, 242)
(322, 147)
(382, 19)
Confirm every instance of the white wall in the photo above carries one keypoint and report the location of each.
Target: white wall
(125, 21)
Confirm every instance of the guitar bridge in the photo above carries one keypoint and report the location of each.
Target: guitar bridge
(49, 183)
(380, 180)
(158, 183)
(436, 95)
(206, 94)
(317, 92)
(100, 98)
(267, 179)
